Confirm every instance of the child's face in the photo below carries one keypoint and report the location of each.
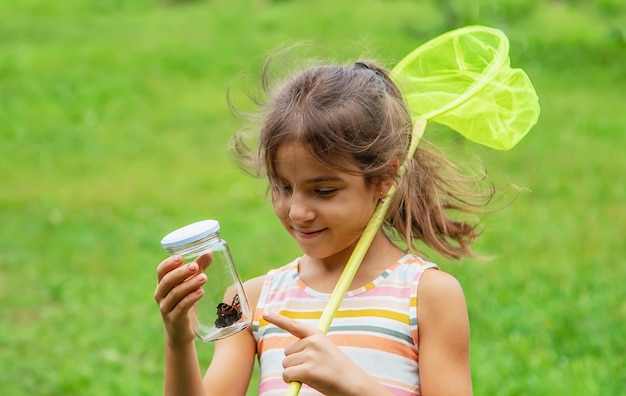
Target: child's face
(323, 209)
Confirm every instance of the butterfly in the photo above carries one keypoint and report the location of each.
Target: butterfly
(228, 314)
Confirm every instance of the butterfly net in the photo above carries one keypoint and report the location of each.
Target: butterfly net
(463, 79)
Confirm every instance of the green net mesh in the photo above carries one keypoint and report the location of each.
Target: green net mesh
(463, 79)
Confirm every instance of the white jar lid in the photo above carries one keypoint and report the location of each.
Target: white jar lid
(190, 233)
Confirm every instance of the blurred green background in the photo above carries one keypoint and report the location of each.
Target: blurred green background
(114, 129)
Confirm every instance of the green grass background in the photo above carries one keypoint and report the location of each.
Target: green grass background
(114, 129)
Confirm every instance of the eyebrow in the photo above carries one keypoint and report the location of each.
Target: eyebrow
(324, 179)
(319, 179)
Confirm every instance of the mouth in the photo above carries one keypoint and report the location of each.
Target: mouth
(308, 234)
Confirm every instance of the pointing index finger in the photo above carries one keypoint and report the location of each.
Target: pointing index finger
(294, 327)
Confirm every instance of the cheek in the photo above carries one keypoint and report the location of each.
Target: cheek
(279, 206)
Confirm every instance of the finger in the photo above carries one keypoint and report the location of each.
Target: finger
(168, 265)
(189, 291)
(169, 280)
(297, 373)
(293, 327)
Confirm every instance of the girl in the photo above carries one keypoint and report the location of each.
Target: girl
(331, 142)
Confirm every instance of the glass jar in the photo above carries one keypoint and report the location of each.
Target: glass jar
(223, 310)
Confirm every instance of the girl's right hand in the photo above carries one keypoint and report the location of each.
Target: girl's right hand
(178, 289)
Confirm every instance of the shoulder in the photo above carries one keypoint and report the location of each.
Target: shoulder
(440, 296)
(253, 287)
(439, 284)
(254, 284)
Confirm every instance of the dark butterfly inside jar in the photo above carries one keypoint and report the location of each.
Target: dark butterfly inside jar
(228, 314)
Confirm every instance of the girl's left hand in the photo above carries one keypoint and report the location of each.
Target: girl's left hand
(314, 360)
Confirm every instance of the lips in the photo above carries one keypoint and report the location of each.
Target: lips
(308, 234)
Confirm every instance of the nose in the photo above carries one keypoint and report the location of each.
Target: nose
(300, 208)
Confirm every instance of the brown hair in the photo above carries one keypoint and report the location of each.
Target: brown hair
(357, 113)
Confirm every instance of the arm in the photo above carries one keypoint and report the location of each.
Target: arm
(182, 370)
(178, 289)
(443, 326)
(228, 374)
(233, 359)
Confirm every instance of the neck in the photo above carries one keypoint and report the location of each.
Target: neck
(322, 274)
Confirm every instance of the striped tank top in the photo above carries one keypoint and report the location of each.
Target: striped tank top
(376, 325)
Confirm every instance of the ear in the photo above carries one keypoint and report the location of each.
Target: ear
(384, 184)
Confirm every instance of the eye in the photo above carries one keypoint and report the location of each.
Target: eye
(325, 191)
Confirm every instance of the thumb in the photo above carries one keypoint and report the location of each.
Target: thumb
(204, 261)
